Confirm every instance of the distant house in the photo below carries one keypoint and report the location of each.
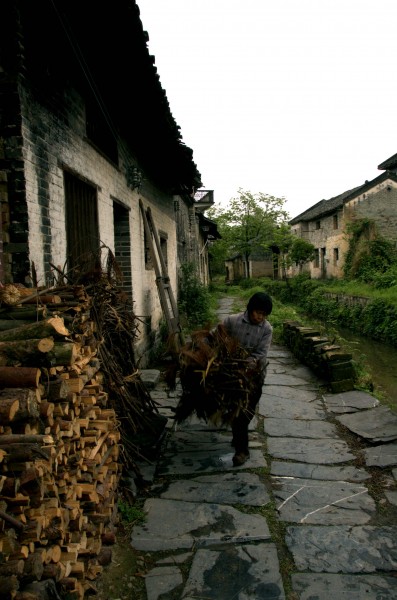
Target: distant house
(86, 133)
(207, 232)
(261, 264)
(324, 224)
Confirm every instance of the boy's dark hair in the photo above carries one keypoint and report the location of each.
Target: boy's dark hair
(260, 301)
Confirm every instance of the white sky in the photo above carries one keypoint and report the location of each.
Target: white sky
(293, 98)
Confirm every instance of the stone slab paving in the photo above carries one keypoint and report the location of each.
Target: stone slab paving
(322, 452)
(317, 502)
(193, 440)
(348, 402)
(299, 428)
(285, 369)
(162, 580)
(312, 471)
(173, 524)
(376, 425)
(207, 461)
(310, 586)
(229, 488)
(288, 392)
(193, 424)
(287, 408)
(181, 443)
(290, 379)
(391, 497)
(280, 353)
(235, 573)
(207, 521)
(384, 455)
(189, 452)
(343, 549)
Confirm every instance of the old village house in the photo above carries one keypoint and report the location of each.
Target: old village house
(324, 224)
(86, 133)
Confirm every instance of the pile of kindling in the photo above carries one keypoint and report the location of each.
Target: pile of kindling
(216, 376)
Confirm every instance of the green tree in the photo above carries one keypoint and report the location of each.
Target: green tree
(249, 224)
(283, 240)
(301, 252)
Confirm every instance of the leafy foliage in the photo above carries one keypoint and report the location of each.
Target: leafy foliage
(194, 301)
(248, 225)
(387, 279)
(372, 316)
(369, 255)
(301, 251)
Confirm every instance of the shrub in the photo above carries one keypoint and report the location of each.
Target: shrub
(131, 514)
(194, 298)
(385, 280)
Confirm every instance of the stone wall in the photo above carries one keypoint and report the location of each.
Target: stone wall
(378, 205)
(328, 360)
(328, 231)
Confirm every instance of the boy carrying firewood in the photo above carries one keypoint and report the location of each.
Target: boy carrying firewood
(254, 334)
(223, 370)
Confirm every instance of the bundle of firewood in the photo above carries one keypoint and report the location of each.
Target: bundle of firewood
(68, 409)
(59, 452)
(217, 377)
(117, 327)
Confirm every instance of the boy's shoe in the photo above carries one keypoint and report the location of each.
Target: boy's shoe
(240, 458)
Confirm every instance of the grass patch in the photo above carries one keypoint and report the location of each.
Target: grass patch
(131, 514)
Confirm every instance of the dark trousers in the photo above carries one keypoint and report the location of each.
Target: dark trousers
(240, 424)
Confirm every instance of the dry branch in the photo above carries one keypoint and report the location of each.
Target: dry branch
(217, 377)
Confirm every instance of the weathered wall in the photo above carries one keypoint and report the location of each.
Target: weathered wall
(262, 268)
(49, 146)
(329, 236)
(379, 205)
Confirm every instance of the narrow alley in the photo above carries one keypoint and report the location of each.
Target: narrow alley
(311, 515)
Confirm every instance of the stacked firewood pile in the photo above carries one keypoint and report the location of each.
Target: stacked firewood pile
(216, 376)
(61, 431)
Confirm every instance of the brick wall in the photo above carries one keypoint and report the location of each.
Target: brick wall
(378, 204)
(38, 213)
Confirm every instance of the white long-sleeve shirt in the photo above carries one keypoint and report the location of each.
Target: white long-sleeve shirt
(255, 338)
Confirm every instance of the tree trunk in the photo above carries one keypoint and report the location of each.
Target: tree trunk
(6, 324)
(9, 585)
(8, 408)
(51, 327)
(22, 438)
(13, 353)
(12, 567)
(20, 377)
(64, 354)
(23, 313)
(57, 391)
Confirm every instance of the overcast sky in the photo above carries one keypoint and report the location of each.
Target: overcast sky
(293, 98)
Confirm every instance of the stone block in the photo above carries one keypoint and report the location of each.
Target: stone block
(340, 371)
(345, 385)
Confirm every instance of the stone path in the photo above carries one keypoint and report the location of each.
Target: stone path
(312, 515)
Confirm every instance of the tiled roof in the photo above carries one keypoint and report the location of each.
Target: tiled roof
(209, 228)
(102, 49)
(324, 207)
(390, 163)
